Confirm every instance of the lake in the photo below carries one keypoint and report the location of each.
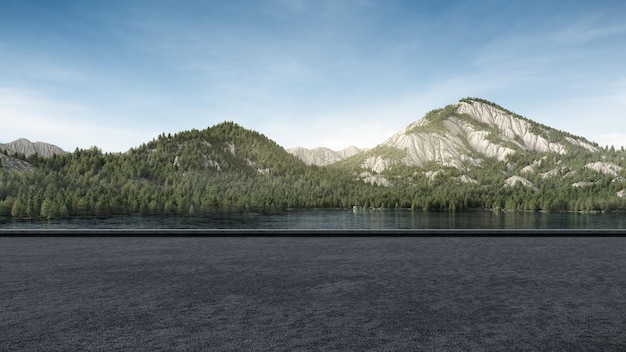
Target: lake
(340, 219)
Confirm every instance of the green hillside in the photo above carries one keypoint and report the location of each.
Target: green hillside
(229, 167)
(222, 167)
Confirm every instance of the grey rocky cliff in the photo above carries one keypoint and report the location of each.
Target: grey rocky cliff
(323, 156)
(10, 163)
(28, 148)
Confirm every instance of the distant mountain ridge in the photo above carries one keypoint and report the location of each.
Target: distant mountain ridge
(324, 156)
(467, 155)
(466, 132)
(460, 134)
(28, 148)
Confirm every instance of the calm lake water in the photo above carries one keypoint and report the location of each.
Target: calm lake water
(337, 219)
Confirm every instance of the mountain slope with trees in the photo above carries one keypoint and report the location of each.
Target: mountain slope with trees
(482, 156)
(501, 159)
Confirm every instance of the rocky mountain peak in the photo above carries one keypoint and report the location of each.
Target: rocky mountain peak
(28, 148)
(473, 133)
(466, 133)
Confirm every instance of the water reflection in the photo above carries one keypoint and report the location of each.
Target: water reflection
(343, 219)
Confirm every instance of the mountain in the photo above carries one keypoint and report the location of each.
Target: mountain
(28, 148)
(25, 148)
(467, 155)
(461, 134)
(323, 156)
(225, 147)
(473, 130)
(474, 134)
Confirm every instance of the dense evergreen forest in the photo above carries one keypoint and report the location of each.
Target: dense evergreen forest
(232, 168)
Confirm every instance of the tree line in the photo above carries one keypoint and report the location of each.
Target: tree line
(228, 167)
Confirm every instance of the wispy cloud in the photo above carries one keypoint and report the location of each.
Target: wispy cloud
(590, 28)
(556, 49)
(310, 73)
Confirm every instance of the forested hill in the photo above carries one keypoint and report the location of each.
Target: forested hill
(526, 168)
(224, 166)
(225, 147)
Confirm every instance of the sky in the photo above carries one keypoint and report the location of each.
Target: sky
(311, 73)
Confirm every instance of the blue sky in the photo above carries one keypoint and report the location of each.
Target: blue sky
(309, 73)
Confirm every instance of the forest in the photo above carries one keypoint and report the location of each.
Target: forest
(228, 167)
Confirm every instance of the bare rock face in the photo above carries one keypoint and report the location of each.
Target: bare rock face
(464, 134)
(377, 164)
(375, 179)
(583, 144)
(466, 179)
(28, 148)
(514, 180)
(9, 163)
(323, 156)
(605, 167)
(420, 148)
(511, 128)
(549, 174)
